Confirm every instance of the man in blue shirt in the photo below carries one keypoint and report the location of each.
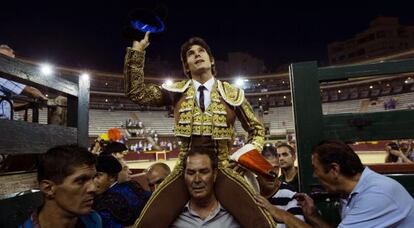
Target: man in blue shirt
(370, 199)
(65, 175)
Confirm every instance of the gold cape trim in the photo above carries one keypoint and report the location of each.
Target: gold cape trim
(232, 95)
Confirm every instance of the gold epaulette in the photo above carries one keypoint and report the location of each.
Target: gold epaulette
(232, 95)
(177, 87)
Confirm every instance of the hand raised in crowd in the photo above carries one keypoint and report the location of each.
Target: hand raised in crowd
(401, 155)
(397, 153)
(142, 44)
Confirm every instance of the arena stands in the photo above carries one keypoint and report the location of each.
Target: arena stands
(277, 118)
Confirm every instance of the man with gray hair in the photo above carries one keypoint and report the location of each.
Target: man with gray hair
(370, 199)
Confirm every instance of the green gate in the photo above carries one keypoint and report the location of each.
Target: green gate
(311, 126)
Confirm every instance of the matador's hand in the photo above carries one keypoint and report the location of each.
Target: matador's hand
(236, 167)
(141, 45)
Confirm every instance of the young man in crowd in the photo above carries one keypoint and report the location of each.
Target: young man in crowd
(287, 158)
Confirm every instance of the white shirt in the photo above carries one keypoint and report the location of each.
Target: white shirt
(209, 86)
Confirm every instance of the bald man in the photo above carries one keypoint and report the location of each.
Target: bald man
(156, 173)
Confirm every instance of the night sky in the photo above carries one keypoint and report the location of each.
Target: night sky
(88, 34)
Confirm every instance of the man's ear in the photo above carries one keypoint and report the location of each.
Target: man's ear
(114, 178)
(215, 171)
(187, 69)
(335, 169)
(48, 187)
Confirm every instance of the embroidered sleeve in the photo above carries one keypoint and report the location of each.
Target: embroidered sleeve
(135, 88)
(251, 124)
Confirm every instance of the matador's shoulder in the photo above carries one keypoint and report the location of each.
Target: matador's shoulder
(177, 87)
(231, 94)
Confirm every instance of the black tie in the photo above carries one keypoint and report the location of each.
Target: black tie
(201, 100)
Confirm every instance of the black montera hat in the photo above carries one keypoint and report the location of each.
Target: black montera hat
(148, 19)
(113, 147)
(108, 164)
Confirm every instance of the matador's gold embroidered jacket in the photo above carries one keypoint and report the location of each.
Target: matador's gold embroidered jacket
(217, 121)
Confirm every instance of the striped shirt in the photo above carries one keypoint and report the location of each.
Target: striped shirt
(284, 199)
(7, 87)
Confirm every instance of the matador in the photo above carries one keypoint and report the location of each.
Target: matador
(205, 111)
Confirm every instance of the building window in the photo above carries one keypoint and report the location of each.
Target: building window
(360, 52)
(402, 33)
(381, 34)
(371, 37)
